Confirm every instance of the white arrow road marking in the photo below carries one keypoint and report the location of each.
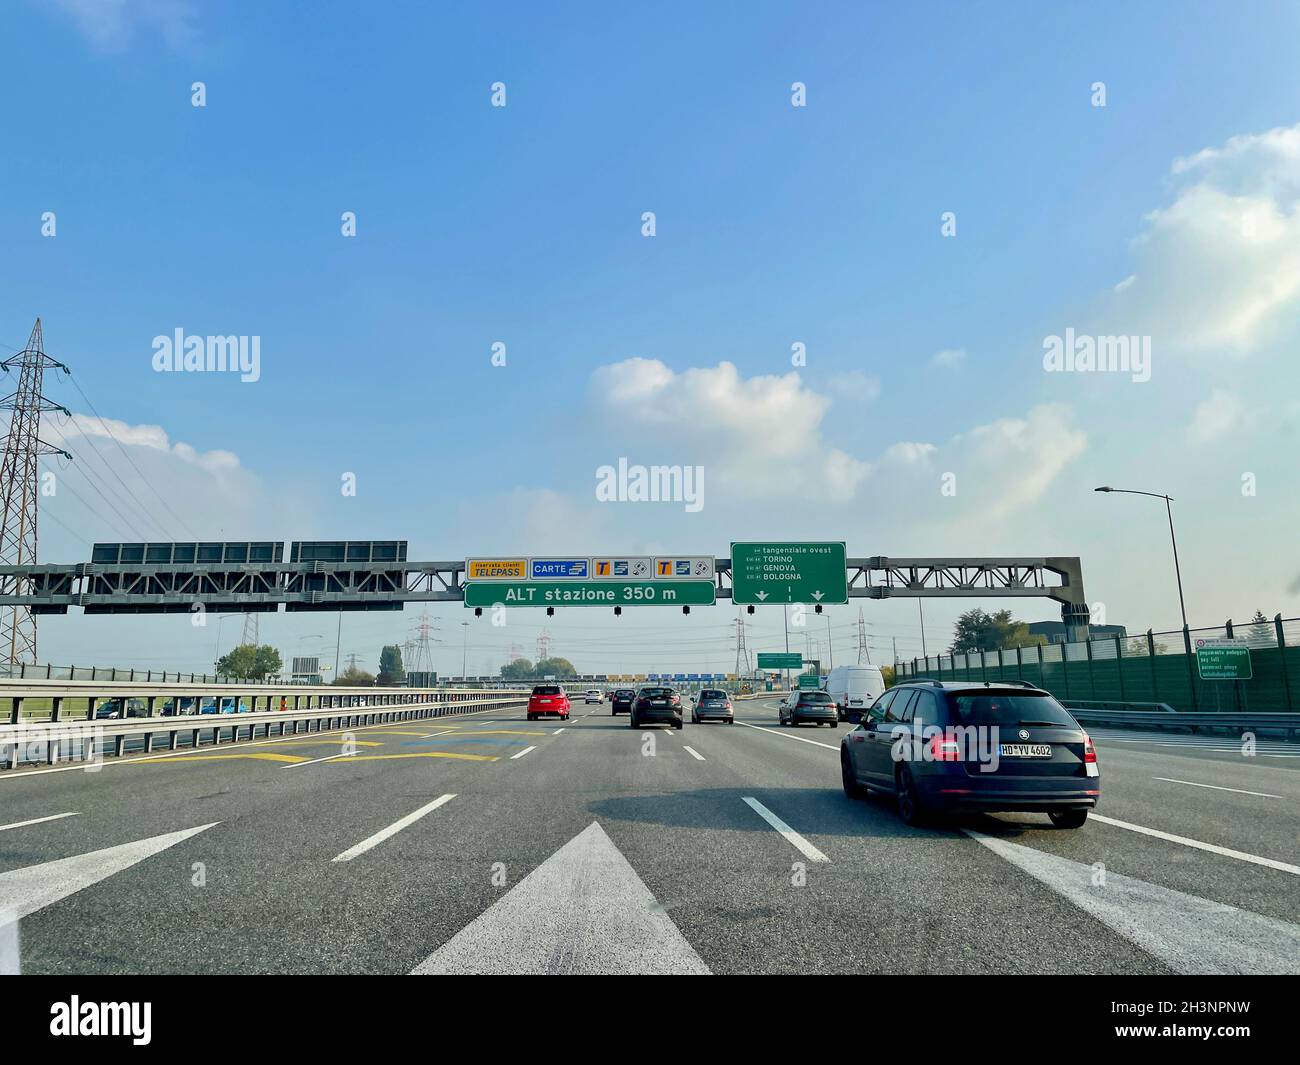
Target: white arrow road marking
(392, 830)
(693, 753)
(26, 890)
(36, 821)
(582, 911)
(1190, 934)
(795, 840)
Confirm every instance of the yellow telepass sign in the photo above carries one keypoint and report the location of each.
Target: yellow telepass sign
(496, 569)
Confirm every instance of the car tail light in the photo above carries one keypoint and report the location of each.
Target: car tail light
(1089, 751)
(944, 750)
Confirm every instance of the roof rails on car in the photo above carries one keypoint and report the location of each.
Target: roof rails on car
(923, 680)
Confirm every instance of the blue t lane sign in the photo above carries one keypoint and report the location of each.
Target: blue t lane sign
(549, 569)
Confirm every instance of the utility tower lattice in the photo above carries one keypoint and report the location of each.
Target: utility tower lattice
(742, 652)
(543, 645)
(19, 486)
(863, 651)
(422, 661)
(252, 631)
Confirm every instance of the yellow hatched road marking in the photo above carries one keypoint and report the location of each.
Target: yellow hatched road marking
(261, 756)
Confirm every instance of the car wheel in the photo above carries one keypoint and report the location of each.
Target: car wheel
(681, 724)
(1068, 818)
(731, 721)
(631, 720)
(910, 809)
(833, 724)
(852, 788)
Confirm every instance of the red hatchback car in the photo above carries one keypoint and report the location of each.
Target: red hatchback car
(548, 699)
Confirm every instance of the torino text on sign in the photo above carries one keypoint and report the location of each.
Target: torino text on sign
(789, 573)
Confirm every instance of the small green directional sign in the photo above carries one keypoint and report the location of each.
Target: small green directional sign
(788, 573)
(780, 660)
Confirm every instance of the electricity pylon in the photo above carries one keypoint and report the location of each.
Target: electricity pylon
(19, 487)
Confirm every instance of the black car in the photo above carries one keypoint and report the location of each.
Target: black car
(1002, 746)
(656, 706)
(621, 699)
(815, 706)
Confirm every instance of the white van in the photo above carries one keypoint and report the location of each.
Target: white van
(854, 688)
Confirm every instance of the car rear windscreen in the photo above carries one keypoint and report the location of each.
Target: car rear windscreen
(625, 693)
(1006, 708)
(814, 697)
(547, 689)
(712, 693)
(656, 692)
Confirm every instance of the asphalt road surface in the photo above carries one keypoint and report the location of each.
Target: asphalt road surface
(487, 843)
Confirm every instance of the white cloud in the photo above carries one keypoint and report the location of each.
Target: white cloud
(757, 437)
(1218, 415)
(1220, 265)
(109, 494)
(1012, 462)
(949, 357)
(110, 25)
(1126, 283)
(855, 386)
(145, 436)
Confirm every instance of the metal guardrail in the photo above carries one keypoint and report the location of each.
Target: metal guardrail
(1192, 721)
(287, 712)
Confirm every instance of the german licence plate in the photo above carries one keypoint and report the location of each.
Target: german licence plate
(1025, 750)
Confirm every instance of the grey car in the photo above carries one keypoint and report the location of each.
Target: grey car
(655, 705)
(814, 706)
(712, 704)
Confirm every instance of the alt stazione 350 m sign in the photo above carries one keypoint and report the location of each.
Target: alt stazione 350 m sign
(600, 580)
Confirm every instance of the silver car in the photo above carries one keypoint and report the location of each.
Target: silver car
(712, 704)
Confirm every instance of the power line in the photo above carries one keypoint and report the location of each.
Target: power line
(148, 483)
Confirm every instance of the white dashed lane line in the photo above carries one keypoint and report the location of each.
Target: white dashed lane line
(792, 837)
(37, 821)
(520, 754)
(693, 753)
(1216, 787)
(393, 829)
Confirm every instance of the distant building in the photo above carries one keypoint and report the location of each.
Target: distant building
(1055, 630)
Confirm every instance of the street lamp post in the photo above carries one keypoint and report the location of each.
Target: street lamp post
(464, 651)
(1169, 510)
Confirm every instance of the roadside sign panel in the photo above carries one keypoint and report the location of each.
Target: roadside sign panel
(613, 580)
(809, 681)
(550, 569)
(590, 593)
(638, 569)
(780, 660)
(496, 569)
(684, 567)
(806, 572)
(1223, 660)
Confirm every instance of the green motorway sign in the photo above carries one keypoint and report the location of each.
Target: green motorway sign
(1223, 660)
(809, 681)
(590, 593)
(788, 573)
(780, 660)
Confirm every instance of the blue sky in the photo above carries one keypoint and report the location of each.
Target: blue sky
(775, 225)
